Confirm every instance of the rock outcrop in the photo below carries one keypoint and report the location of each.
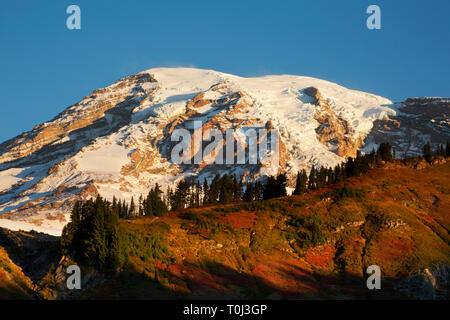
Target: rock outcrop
(427, 284)
(333, 131)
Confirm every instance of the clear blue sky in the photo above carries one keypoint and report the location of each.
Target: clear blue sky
(45, 67)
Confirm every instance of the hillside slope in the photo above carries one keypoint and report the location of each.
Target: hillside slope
(314, 246)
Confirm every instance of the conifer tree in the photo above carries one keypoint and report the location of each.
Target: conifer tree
(205, 192)
(269, 188)
(132, 208)
(312, 179)
(280, 187)
(141, 209)
(226, 189)
(93, 236)
(214, 190)
(249, 193)
(427, 154)
(384, 151)
(301, 182)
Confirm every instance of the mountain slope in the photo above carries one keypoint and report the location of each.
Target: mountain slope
(317, 245)
(117, 141)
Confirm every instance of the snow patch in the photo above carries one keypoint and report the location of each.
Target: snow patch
(106, 160)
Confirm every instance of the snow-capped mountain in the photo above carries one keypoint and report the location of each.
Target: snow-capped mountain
(117, 140)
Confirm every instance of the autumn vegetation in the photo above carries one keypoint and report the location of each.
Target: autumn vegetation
(338, 221)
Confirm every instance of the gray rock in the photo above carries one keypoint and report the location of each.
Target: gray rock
(427, 284)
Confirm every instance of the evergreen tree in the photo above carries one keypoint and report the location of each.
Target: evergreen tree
(93, 236)
(180, 198)
(205, 192)
(427, 154)
(301, 184)
(198, 193)
(141, 206)
(280, 187)
(237, 189)
(132, 208)
(338, 174)
(441, 150)
(68, 237)
(275, 187)
(270, 188)
(156, 206)
(384, 151)
(312, 179)
(257, 193)
(350, 167)
(94, 244)
(321, 177)
(249, 193)
(192, 196)
(330, 176)
(226, 189)
(214, 190)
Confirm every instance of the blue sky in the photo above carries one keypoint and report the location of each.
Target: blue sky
(45, 67)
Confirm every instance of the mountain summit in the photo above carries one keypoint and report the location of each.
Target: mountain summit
(118, 140)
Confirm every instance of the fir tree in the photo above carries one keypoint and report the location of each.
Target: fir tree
(214, 190)
(427, 154)
(280, 187)
(301, 183)
(141, 206)
(205, 192)
(132, 208)
(249, 193)
(384, 151)
(312, 179)
(226, 189)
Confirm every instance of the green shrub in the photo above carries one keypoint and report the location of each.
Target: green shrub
(308, 231)
(342, 193)
(149, 247)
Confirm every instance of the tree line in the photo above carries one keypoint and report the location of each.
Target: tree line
(353, 167)
(94, 236)
(230, 188)
(154, 204)
(440, 151)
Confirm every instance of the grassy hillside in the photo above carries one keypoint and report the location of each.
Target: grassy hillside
(316, 245)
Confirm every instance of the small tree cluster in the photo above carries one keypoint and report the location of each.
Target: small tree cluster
(253, 191)
(190, 193)
(275, 187)
(94, 236)
(356, 166)
(152, 205)
(441, 151)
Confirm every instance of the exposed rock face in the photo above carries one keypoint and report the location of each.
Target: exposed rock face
(103, 111)
(418, 121)
(333, 131)
(118, 141)
(428, 284)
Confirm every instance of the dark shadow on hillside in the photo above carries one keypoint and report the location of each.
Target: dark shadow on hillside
(217, 281)
(34, 252)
